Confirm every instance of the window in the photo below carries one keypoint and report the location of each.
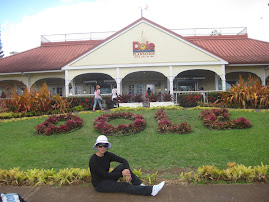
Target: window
(56, 90)
(229, 84)
(60, 91)
(135, 89)
(131, 89)
(105, 88)
(187, 85)
(78, 90)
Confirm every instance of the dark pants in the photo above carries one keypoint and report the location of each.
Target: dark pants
(110, 186)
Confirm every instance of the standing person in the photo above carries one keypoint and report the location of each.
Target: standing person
(148, 92)
(97, 98)
(105, 181)
(114, 95)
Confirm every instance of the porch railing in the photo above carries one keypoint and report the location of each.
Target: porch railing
(203, 92)
(182, 32)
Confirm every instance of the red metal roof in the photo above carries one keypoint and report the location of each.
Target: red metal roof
(236, 49)
(48, 57)
(51, 56)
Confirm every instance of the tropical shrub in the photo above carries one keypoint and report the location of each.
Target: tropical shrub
(48, 127)
(108, 101)
(249, 94)
(233, 173)
(78, 108)
(67, 176)
(36, 102)
(137, 98)
(214, 96)
(167, 97)
(87, 102)
(189, 100)
(165, 125)
(101, 124)
(124, 98)
(220, 119)
(153, 97)
(3, 95)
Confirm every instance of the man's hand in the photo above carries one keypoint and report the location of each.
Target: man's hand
(128, 178)
(126, 172)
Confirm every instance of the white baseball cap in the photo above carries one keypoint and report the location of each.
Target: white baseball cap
(102, 139)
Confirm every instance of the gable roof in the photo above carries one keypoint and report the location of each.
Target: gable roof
(48, 57)
(52, 56)
(145, 20)
(236, 49)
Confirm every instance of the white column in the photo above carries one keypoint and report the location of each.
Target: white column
(119, 85)
(263, 77)
(118, 80)
(73, 87)
(216, 81)
(66, 78)
(28, 82)
(168, 85)
(223, 78)
(171, 80)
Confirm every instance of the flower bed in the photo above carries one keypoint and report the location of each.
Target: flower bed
(101, 124)
(48, 126)
(220, 119)
(87, 102)
(189, 100)
(166, 126)
(214, 96)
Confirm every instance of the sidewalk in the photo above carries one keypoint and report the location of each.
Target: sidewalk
(246, 192)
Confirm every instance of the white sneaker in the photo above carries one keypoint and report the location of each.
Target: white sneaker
(142, 185)
(157, 188)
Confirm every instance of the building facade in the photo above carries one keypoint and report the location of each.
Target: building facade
(142, 55)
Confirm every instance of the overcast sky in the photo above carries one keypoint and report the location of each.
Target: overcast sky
(24, 21)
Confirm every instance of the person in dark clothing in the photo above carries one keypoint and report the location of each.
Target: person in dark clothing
(105, 181)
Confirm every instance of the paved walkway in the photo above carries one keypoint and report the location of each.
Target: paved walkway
(246, 192)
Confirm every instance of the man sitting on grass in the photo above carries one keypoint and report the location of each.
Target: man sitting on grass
(105, 181)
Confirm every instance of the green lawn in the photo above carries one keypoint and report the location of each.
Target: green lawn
(149, 150)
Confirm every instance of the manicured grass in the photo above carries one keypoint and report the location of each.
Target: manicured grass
(149, 150)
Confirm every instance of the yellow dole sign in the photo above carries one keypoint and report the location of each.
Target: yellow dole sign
(143, 49)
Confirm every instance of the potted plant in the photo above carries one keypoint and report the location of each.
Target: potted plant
(137, 100)
(167, 100)
(125, 101)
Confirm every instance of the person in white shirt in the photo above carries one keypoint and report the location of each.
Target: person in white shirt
(114, 95)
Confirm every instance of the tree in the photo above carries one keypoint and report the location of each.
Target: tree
(1, 52)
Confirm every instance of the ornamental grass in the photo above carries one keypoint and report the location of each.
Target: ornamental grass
(251, 94)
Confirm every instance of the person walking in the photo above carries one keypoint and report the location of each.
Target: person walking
(105, 181)
(114, 95)
(97, 98)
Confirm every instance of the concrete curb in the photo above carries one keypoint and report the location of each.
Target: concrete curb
(219, 192)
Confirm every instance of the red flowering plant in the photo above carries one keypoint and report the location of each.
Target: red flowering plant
(167, 97)
(166, 126)
(124, 98)
(101, 124)
(153, 97)
(137, 98)
(48, 127)
(241, 123)
(220, 119)
(189, 100)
